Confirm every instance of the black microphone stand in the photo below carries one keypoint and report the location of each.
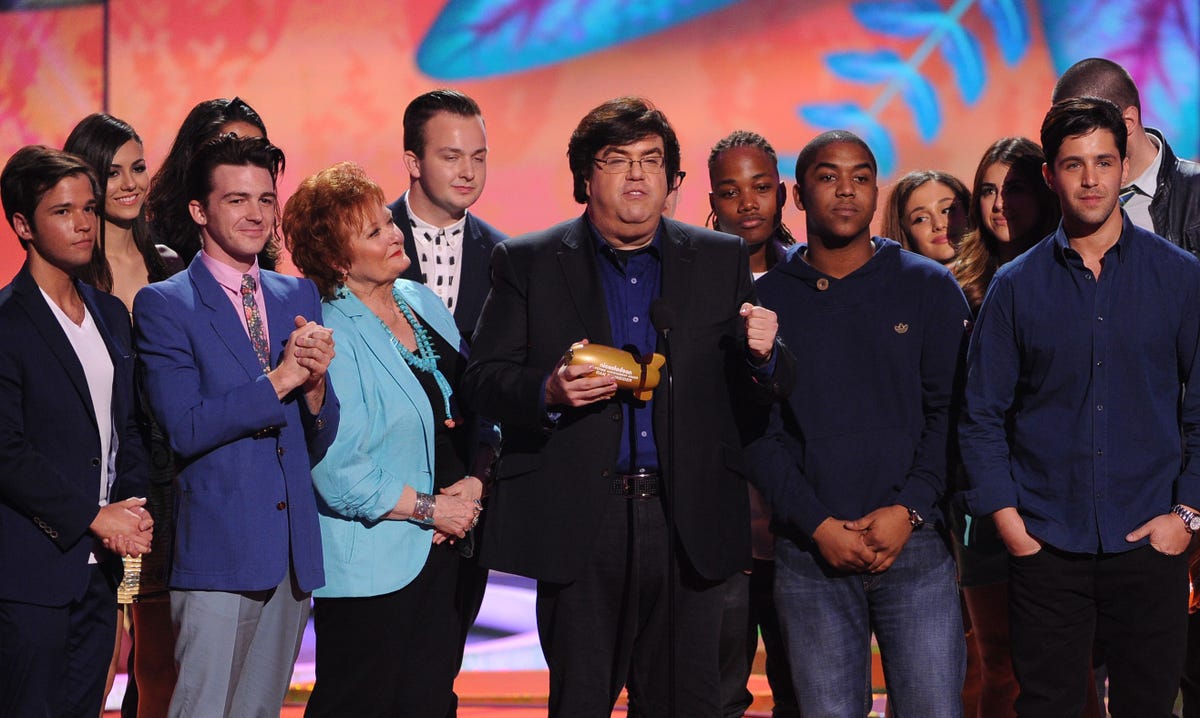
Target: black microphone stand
(662, 316)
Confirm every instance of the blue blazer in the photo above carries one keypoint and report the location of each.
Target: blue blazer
(245, 504)
(50, 444)
(385, 443)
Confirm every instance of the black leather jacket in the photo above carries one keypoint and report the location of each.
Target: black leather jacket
(1175, 208)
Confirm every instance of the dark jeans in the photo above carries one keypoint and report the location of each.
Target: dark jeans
(1132, 604)
(610, 625)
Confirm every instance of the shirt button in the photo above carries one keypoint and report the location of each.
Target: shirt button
(822, 284)
(633, 280)
(635, 320)
(616, 415)
(644, 435)
(1099, 407)
(1099, 319)
(1100, 363)
(95, 463)
(279, 451)
(281, 505)
(1099, 452)
(1087, 275)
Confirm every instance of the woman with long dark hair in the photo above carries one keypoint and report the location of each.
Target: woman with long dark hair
(1012, 208)
(125, 260)
(166, 205)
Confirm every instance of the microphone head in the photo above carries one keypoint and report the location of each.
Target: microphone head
(662, 315)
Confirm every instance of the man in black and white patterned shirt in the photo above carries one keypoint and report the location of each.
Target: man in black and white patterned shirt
(445, 151)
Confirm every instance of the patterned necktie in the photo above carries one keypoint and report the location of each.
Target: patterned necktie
(1127, 194)
(258, 337)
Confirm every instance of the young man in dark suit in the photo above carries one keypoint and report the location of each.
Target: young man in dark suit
(580, 499)
(445, 152)
(70, 450)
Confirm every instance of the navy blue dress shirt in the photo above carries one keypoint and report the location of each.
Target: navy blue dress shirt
(631, 280)
(1090, 373)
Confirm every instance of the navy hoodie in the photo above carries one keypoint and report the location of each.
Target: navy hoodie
(867, 424)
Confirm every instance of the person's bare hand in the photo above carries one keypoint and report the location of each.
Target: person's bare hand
(843, 549)
(761, 327)
(124, 527)
(577, 385)
(1011, 528)
(1167, 534)
(885, 531)
(453, 515)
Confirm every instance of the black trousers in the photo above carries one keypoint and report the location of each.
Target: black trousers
(749, 610)
(390, 655)
(1132, 604)
(54, 660)
(609, 626)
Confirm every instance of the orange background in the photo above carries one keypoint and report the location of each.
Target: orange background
(331, 81)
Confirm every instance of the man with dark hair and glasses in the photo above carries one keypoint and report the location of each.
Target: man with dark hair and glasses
(580, 496)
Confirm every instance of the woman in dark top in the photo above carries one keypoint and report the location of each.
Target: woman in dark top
(404, 478)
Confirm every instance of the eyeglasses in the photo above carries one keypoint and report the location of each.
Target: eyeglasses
(621, 165)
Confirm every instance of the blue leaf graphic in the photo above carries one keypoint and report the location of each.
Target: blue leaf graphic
(866, 67)
(849, 116)
(887, 66)
(1011, 23)
(472, 39)
(961, 51)
(921, 98)
(899, 19)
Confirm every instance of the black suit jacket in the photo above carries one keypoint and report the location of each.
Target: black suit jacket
(50, 446)
(551, 482)
(479, 238)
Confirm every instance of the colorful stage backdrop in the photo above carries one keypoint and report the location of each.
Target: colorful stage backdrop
(929, 83)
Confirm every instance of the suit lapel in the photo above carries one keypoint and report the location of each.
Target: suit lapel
(42, 317)
(577, 257)
(678, 267)
(224, 318)
(378, 340)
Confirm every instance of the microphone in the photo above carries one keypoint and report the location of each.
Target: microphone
(662, 316)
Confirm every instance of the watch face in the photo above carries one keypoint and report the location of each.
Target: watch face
(1194, 524)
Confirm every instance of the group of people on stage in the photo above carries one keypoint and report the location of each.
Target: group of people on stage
(856, 436)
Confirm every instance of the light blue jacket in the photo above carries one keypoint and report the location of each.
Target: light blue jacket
(385, 443)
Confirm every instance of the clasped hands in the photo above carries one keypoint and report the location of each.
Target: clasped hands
(305, 360)
(125, 528)
(456, 509)
(869, 544)
(577, 385)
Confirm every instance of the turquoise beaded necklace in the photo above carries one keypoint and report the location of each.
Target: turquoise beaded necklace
(425, 359)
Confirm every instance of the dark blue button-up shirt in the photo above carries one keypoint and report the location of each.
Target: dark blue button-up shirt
(1089, 373)
(631, 280)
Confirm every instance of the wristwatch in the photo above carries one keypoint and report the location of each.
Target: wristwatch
(916, 520)
(1191, 521)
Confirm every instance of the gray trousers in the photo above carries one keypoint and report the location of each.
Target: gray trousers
(235, 651)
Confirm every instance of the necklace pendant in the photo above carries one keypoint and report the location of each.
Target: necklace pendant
(450, 423)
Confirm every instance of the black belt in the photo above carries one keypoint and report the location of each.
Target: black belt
(635, 486)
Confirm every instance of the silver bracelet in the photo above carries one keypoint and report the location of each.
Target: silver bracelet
(423, 509)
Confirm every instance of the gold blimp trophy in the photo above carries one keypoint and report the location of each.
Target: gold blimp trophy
(637, 374)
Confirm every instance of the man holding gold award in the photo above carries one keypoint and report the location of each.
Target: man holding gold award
(629, 536)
